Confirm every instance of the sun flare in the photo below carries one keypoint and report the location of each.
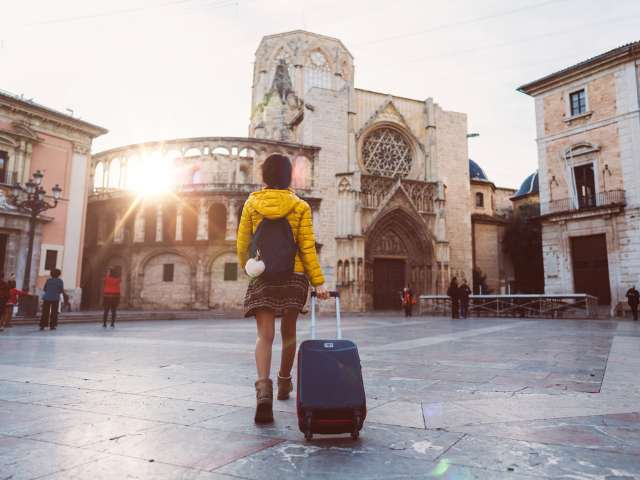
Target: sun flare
(151, 175)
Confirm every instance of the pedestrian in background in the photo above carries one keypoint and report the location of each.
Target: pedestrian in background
(110, 296)
(464, 292)
(454, 295)
(408, 301)
(4, 298)
(14, 294)
(53, 288)
(633, 297)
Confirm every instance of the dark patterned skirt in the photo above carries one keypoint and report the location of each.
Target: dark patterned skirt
(276, 295)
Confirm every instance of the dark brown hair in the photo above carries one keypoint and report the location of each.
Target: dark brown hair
(276, 172)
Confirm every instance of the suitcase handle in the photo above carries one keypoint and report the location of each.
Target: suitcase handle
(314, 301)
(333, 293)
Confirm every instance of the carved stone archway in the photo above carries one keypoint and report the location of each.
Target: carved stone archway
(398, 240)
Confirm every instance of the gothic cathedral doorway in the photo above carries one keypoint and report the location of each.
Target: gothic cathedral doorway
(398, 252)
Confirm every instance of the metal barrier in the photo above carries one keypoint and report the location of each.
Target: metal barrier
(578, 305)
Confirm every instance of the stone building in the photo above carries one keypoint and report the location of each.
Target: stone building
(588, 129)
(387, 178)
(34, 137)
(490, 212)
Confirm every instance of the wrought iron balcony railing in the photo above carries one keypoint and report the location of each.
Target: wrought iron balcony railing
(609, 198)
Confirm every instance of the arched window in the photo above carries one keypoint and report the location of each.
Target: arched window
(114, 173)
(479, 200)
(169, 222)
(150, 223)
(189, 223)
(301, 172)
(98, 176)
(387, 153)
(217, 222)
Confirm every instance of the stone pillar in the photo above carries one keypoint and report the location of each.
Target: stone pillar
(179, 222)
(203, 221)
(138, 226)
(232, 221)
(159, 223)
(118, 228)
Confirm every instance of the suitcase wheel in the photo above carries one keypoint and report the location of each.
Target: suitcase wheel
(308, 434)
(355, 434)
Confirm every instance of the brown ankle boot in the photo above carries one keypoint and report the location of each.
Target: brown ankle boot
(285, 387)
(264, 401)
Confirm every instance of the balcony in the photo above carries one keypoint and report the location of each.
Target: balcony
(608, 199)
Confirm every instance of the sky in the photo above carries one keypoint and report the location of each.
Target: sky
(160, 69)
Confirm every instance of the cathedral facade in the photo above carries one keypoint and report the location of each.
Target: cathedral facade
(387, 178)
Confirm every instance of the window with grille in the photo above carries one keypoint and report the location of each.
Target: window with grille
(50, 259)
(386, 153)
(167, 272)
(578, 102)
(479, 200)
(230, 272)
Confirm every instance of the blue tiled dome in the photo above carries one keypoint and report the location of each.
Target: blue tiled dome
(475, 172)
(529, 186)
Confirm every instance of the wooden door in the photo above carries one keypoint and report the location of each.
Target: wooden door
(591, 267)
(388, 280)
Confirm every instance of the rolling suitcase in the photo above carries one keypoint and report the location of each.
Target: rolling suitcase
(330, 389)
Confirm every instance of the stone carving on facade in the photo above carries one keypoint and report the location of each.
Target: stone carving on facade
(284, 113)
(386, 152)
(81, 148)
(376, 189)
(344, 185)
(4, 203)
(388, 244)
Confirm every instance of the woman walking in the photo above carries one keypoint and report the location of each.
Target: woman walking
(268, 297)
(110, 296)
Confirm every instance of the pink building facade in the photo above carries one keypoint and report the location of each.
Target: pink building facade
(34, 137)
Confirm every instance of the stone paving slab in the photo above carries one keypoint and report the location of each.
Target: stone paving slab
(464, 399)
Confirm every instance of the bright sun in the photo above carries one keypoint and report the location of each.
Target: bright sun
(151, 175)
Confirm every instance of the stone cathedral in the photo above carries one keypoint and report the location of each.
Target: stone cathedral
(387, 178)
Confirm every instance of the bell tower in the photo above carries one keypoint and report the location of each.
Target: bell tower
(287, 66)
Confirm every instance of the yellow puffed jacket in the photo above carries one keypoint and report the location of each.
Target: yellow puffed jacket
(271, 203)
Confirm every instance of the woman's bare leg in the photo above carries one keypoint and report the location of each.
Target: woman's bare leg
(288, 331)
(265, 323)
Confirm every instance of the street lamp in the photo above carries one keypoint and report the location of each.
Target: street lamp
(30, 198)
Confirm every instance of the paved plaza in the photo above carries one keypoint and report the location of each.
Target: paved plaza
(449, 399)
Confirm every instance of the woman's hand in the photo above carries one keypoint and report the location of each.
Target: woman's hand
(322, 292)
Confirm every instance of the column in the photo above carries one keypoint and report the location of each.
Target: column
(138, 226)
(118, 228)
(232, 221)
(179, 222)
(159, 223)
(203, 221)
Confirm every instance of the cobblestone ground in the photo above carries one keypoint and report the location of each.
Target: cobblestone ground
(463, 399)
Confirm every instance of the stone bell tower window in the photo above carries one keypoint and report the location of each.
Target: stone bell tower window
(386, 152)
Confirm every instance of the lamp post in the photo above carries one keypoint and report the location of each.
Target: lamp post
(30, 198)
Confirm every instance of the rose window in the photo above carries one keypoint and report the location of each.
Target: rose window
(387, 153)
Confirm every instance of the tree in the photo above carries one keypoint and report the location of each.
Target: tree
(523, 243)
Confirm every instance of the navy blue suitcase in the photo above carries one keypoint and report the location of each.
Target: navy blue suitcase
(330, 389)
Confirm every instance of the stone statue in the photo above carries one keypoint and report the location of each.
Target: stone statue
(281, 81)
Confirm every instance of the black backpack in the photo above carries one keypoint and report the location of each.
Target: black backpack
(274, 242)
